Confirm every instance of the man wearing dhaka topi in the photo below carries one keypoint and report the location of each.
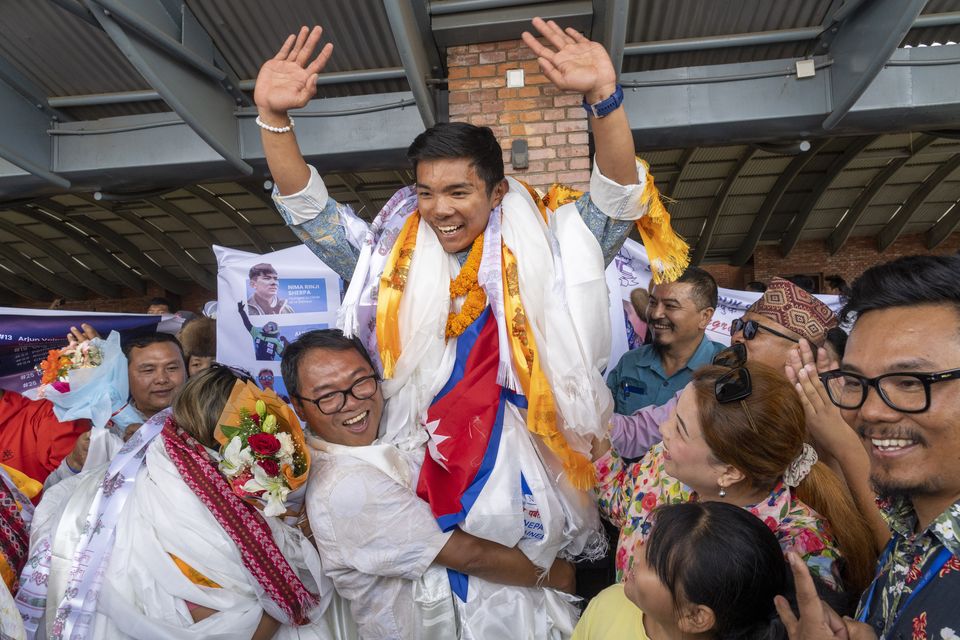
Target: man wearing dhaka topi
(478, 301)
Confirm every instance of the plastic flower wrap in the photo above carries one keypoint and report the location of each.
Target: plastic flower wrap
(88, 381)
(264, 455)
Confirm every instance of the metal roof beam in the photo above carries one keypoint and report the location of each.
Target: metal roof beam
(135, 254)
(760, 101)
(860, 44)
(234, 216)
(194, 270)
(610, 28)
(750, 242)
(413, 53)
(889, 234)
(943, 228)
(506, 21)
(682, 165)
(727, 41)
(41, 276)
(799, 223)
(713, 217)
(187, 81)
(19, 283)
(353, 186)
(143, 152)
(183, 218)
(27, 116)
(114, 265)
(76, 272)
(841, 234)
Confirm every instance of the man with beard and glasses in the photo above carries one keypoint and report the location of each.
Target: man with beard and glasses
(678, 314)
(898, 388)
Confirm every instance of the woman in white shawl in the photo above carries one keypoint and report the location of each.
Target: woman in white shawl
(182, 555)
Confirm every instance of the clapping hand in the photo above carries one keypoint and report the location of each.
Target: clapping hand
(289, 79)
(577, 65)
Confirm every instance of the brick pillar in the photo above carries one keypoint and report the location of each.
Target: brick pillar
(553, 123)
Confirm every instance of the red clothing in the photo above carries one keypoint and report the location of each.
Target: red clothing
(32, 440)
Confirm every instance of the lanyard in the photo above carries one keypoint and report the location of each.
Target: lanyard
(938, 562)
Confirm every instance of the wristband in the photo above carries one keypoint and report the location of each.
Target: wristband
(604, 107)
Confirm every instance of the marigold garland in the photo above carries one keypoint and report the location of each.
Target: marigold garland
(466, 284)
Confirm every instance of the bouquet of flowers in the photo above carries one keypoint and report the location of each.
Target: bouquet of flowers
(55, 370)
(264, 455)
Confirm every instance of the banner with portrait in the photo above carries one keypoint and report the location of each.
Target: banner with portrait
(26, 335)
(265, 302)
(630, 270)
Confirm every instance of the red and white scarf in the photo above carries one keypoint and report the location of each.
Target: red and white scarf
(242, 522)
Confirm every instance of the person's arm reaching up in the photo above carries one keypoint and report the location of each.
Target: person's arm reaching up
(582, 66)
(285, 82)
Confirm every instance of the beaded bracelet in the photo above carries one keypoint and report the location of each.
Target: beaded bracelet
(264, 125)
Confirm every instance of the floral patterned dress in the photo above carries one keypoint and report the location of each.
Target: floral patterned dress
(917, 588)
(627, 494)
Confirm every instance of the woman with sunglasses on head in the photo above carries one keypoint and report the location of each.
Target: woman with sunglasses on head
(737, 435)
(708, 570)
(187, 547)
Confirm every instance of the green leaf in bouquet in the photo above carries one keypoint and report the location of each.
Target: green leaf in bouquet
(230, 432)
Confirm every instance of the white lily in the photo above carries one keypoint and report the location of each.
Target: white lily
(275, 488)
(235, 458)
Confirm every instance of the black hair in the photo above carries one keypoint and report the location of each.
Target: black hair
(704, 292)
(905, 282)
(330, 339)
(261, 269)
(723, 557)
(756, 285)
(837, 282)
(142, 341)
(159, 300)
(451, 140)
(837, 338)
(806, 283)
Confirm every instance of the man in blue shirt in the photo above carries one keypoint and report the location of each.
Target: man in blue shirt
(678, 314)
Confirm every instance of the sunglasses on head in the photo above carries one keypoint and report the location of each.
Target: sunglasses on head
(751, 327)
(736, 384)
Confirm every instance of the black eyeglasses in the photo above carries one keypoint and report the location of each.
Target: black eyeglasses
(904, 392)
(332, 402)
(751, 327)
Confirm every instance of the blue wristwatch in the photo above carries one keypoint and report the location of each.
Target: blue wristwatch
(605, 107)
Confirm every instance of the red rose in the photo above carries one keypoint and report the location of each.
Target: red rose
(264, 444)
(270, 467)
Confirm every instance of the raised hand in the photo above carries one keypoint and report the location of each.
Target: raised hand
(577, 65)
(817, 621)
(825, 423)
(289, 79)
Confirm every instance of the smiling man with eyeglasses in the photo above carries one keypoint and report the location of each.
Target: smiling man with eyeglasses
(379, 541)
(899, 388)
